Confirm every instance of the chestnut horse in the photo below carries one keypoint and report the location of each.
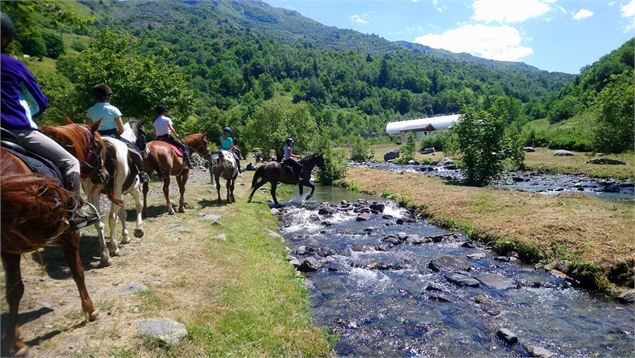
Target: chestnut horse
(35, 212)
(164, 160)
(276, 172)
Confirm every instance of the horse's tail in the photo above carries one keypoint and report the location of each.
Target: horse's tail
(257, 175)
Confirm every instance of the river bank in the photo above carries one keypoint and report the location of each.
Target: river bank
(219, 270)
(592, 239)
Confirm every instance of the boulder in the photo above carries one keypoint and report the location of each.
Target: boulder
(378, 207)
(605, 161)
(535, 351)
(484, 299)
(391, 155)
(428, 150)
(529, 149)
(412, 162)
(309, 264)
(507, 335)
(363, 217)
(495, 281)
(448, 263)
(627, 297)
(477, 256)
(563, 153)
(166, 331)
(460, 279)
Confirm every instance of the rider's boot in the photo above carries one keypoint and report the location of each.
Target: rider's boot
(138, 160)
(79, 216)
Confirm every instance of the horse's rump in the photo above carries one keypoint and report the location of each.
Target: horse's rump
(224, 164)
(118, 159)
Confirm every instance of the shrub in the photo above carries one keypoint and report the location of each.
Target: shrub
(361, 150)
(437, 140)
(335, 166)
(54, 44)
(407, 151)
(613, 131)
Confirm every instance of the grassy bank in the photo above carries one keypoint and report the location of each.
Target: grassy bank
(229, 283)
(595, 237)
(544, 160)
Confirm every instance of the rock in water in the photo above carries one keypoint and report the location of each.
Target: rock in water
(495, 281)
(484, 299)
(507, 335)
(448, 263)
(166, 331)
(363, 217)
(627, 297)
(309, 264)
(462, 280)
(535, 351)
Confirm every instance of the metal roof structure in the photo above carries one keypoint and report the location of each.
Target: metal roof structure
(422, 124)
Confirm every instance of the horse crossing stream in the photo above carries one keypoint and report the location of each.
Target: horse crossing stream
(389, 284)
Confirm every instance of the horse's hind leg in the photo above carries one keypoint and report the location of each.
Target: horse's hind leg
(312, 190)
(145, 199)
(112, 228)
(256, 187)
(125, 238)
(70, 241)
(274, 185)
(217, 180)
(11, 341)
(138, 230)
(93, 197)
(181, 180)
(229, 196)
(166, 193)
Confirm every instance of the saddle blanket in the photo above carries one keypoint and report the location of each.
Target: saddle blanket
(176, 150)
(37, 164)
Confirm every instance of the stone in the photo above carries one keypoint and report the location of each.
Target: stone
(440, 298)
(378, 206)
(469, 244)
(506, 258)
(507, 335)
(529, 149)
(273, 234)
(416, 240)
(363, 217)
(166, 331)
(627, 297)
(400, 221)
(412, 162)
(462, 280)
(484, 299)
(215, 219)
(220, 237)
(448, 263)
(308, 265)
(439, 238)
(495, 281)
(535, 351)
(428, 150)
(605, 161)
(132, 287)
(563, 153)
(294, 261)
(325, 211)
(180, 229)
(391, 155)
(477, 256)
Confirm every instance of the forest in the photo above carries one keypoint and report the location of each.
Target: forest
(271, 73)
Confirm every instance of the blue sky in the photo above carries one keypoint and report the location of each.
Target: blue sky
(553, 35)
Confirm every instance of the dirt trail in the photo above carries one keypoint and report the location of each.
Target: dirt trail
(164, 274)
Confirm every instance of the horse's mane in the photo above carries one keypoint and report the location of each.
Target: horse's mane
(197, 141)
(310, 157)
(72, 136)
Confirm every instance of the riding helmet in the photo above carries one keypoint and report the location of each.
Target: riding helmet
(102, 91)
(289, 140)
(160, 109)
(227, 130)
(8, 29)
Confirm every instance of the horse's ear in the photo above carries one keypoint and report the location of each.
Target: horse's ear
(68, 120)
(95, 126)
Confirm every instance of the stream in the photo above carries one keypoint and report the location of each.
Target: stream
(389, 284)
(621, 191)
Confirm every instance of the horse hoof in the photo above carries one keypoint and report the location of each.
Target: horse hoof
(138, 233)
(105, 263)
(171, 212)
(124, 240)
(22, 351)
(91, 317)
(114, 253)
(181, 210)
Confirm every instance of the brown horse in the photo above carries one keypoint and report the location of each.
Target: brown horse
(276, 172)
(162, 158)
(35, 213)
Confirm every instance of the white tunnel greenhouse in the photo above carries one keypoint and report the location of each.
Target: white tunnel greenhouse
(421, 126)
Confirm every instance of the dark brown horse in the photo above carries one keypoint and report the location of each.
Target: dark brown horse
(162, 158)
(34, 213)
(276, 172)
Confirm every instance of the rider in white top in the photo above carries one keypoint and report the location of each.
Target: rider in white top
(164, 130)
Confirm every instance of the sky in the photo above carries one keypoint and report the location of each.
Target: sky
(553, 35)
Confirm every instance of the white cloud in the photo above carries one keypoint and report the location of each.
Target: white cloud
(493, 42)
(358, 19)
(509, 11)
(628, 11)
(582, 14)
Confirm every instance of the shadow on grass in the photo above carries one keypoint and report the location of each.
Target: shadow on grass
(152, 211)
(55, 263)
(26, 317)
(213, 203)
(45, 337)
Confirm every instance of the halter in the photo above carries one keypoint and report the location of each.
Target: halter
(91, 165)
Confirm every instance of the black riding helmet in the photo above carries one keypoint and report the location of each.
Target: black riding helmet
(101, 92)
(160, 109)
(8, 29)
(289, 140)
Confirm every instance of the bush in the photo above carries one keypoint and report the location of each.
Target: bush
(407, 151)
(613, 131)
(361, 150)
(335, 166)
(437, 140)
(54, 44)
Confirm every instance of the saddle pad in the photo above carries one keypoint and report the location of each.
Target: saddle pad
(36, 163)
(176, 150)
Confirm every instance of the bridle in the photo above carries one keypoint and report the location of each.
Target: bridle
(93, 162)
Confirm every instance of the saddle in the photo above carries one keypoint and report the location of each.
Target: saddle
(175, 149)
(35, 162)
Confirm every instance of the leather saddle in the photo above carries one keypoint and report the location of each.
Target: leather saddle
(35, 162)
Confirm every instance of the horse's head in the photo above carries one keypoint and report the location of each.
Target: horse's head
(140, 138)
(318, 159)
(95, 151)
(199, 143)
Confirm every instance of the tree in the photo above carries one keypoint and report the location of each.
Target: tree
(613, 132)
(407, 151)
(361, 150)
(483, 145)
(54, 44)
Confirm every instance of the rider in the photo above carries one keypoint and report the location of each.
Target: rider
(290, 158)
(22, 100)
(112, 125)
(164, 130)
(227, 143)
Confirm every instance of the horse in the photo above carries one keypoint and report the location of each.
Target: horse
(124, 179)
(276, 172)
(223, 164)
(162, 158)
(34, 213)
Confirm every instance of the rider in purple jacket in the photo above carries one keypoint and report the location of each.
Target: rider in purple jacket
(22, 100)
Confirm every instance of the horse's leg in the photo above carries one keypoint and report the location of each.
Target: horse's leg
(119, 211)
(312, 190)
(256, 187)
(11, 340)
(300, 188)
(70, 241)
(228, 184)
(182, 180)
(217, 180)
(125, 238)
(138, 229)
(93, 197)
(274, 185)
(166, 193)
(145, 200)
(232, 191)
(112, 228)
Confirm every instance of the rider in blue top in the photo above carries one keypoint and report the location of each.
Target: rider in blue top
(227, 143)
(112, 125)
